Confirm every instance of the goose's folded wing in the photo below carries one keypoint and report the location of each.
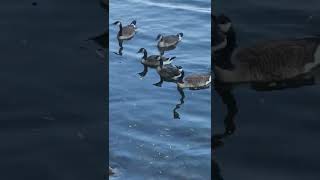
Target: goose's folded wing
(171, 39)
(197, 78)
(127, 30)
(294, 52)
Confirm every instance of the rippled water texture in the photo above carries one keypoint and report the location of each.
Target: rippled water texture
(277, 134)
(147, 140)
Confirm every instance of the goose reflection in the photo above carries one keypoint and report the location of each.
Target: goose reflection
(119, 51)
(144, 72)
(163, 49)
(215, 168)
(176, 114)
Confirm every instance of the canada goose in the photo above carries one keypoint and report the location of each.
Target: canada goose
(126, 32)
(194, 81)
(153, 60)
(168, 41)
(263, 62)
(168, 72)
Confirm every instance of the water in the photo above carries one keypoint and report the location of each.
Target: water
(53, 107)
(277, 131)
(145, 140)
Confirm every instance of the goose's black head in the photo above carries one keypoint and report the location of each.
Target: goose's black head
(180, 35)
(159, 58)
(144, 51)
(159, 37)
(180, 80)
(116, 23)
(223, 41)
(141, 50)
(224, 23)
(134, 22)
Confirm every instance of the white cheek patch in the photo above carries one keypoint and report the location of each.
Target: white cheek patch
(317, 55)
(225, 27)
(308, 67)
(209, 81)
(180, 38)
(167, 62)
(176, 77)
(220, 46)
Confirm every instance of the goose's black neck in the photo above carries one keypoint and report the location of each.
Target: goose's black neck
(120, 29)
(145, 54)
(161, 62)
(222, 57)
(180, 80)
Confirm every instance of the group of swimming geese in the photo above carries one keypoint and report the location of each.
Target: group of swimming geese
(269, 61)
(165, 69)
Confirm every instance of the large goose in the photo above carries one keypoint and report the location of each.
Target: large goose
(126, 32)
(169, 41)
(153, 60)
(194, 81)
(264, 62)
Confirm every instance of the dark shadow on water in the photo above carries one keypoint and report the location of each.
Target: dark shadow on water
(101, 40)
(229, 100)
